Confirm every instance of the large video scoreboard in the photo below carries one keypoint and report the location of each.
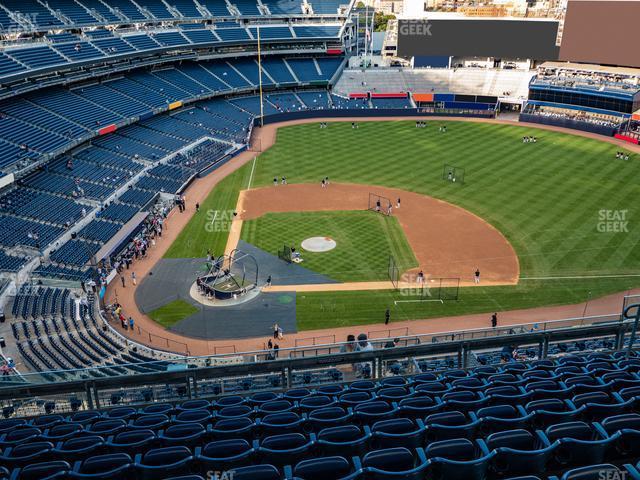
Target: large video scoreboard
(479, 37)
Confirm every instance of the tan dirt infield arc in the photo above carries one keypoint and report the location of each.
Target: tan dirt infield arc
(448, 241)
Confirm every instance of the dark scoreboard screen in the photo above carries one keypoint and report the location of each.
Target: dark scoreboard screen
(473, 37)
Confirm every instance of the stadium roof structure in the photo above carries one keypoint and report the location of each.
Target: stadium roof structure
(586, 67)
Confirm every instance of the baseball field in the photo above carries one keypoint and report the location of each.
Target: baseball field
(566, 205)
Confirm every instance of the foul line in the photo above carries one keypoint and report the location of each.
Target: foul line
(252, 169)
(396, 302)
(576, 277)
(215, 215)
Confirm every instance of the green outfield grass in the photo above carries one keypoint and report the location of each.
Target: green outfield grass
(554, 200)
(365, 240)
(341, 309)
(171, 313)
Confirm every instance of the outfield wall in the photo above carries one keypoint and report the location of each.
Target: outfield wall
(568, 123)
(366, 113)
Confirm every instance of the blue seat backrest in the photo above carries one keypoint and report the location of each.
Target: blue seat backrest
(38, 471)
(225, 448)
(516, 439)
(391, 459)
(457, 449)
(346, 433)
(285, 441)
(105, 463)
(575, 430)
(447, 418)
(165, 456)
(322, 468)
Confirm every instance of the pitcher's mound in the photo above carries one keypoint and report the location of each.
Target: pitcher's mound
(318, 244)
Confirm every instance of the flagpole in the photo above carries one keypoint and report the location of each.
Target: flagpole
(260, 80)
(366, 31)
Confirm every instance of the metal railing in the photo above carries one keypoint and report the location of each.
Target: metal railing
(189, 381)
(427, 344)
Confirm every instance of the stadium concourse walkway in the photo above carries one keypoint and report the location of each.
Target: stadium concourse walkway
(201, 187)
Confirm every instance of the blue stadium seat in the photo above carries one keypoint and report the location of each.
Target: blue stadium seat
(501, 417)
(108, 466)
(160, 462)
(369, 412)
(77, 448)
(189, 434)
(19, 434)
(225, 454)
(551, 411)
(132, 441)
(277, 423)
(580, 443)
(61, 431)
(520, 452)
(465, 400)
(323, 468)
(344, 440)
(328, 417)
(419, 406)
(398, 432)
(236, 411)
(597, 472)
(234, 428)
(315, 402)
(284, 449)
(597, 405)
(43, 471)
(626, 429)
(458, 459)
(450, 425)
(25, 454)
(395, 463)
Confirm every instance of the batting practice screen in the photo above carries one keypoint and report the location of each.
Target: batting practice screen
(379, 204)
(453, 174)
(394, 272)
(285, 253)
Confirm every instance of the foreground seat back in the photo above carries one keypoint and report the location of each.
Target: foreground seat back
(397, 462)
(519, 452)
